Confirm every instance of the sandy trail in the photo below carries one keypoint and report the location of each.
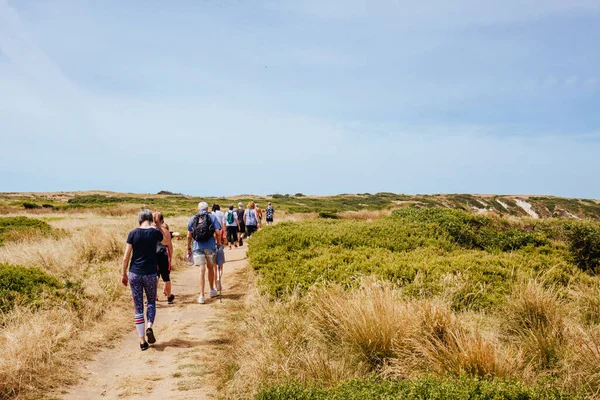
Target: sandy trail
(187, 334)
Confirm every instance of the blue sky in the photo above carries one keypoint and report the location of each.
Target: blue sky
(220, 97)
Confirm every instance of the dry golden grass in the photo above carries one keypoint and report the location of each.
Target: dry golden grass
(39, 348)
(326, 337)
(536, 318)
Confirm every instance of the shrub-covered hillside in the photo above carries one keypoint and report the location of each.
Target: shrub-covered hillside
(425, 303)
(178, 204)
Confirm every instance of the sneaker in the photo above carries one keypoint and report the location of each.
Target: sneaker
(170, 299)
(230, 247)
(201, 300)
(241, 242)
(144, 346)
(219, 285)
(213, 293)
(150, 336)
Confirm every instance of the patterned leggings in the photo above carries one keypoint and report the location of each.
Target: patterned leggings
(139, 284)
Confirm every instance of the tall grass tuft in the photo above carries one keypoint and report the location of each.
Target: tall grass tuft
(369, 321)
(536, 317)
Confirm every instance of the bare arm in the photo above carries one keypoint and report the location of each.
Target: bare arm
(126, 258)
(189, 243)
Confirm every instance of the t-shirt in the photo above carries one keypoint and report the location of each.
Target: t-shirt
(270, 211)
(144, 241)
(240, 214)
(251, 217)
(220, 216)
(235, 217)
(210, 243)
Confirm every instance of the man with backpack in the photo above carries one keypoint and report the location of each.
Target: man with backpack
(270, 211)
(233, 224)
(203, 228)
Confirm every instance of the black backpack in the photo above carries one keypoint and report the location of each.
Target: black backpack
(202, 228)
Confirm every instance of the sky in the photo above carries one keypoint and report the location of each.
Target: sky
(223, 97)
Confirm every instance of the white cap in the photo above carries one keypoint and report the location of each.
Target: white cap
(203, 205)
(240, 204)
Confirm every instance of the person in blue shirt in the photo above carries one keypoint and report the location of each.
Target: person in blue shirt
(205, 251)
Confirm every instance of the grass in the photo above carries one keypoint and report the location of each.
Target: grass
(32, 287)
(64, 287)
(110, 203)
(433, 303)
(421, 388)
(21, 228)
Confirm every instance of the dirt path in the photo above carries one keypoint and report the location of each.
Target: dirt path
(187, 335)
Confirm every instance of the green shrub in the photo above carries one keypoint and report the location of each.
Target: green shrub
(420, 257)
(474, 231)
(31, 206)
(584, 244)
(328, 215)
(33, 287)
(430, 388)
(13, 228)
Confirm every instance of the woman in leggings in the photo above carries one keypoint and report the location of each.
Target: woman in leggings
(141, 250)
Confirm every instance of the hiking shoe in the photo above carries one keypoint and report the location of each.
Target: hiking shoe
(144, 346)
(219, 284)
(241, 242)
(201, 300)
(213, 293)
(150, 336)
(170, 299)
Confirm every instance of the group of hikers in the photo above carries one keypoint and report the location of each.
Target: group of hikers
(149, 252)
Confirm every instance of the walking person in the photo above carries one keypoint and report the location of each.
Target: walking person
(270, 211)
(141, 250)
(164, 254)
(216, 209)
(259, 215)
(242, 226)
(250, 219)
(232, 226)
(205, 230)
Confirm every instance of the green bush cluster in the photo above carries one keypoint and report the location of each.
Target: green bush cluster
(474, 231)
(584, 244)
(431, 388)
(472, 260)
(14, 227)
(33, 287)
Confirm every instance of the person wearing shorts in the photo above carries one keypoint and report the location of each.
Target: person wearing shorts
(242, 227)
(205, 252)
(141, 251)
(270, 211)
(250, 219)
(232, 227)
(164, 252)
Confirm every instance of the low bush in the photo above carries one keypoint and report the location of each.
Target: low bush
(431, 388)
(31, 287)
(474, 231)
(31, 206)
(584, 244)
(14, 228)
(328, 215)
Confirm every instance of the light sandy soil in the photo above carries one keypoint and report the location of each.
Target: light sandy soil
(187, 335)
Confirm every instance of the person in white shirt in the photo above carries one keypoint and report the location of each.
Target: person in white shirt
(233, 225)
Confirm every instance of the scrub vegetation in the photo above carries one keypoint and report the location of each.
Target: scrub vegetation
(110, 203)
(358, 296)
(424, 303)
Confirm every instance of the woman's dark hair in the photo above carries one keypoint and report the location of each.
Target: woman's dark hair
(231, 206)
(216, 207)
